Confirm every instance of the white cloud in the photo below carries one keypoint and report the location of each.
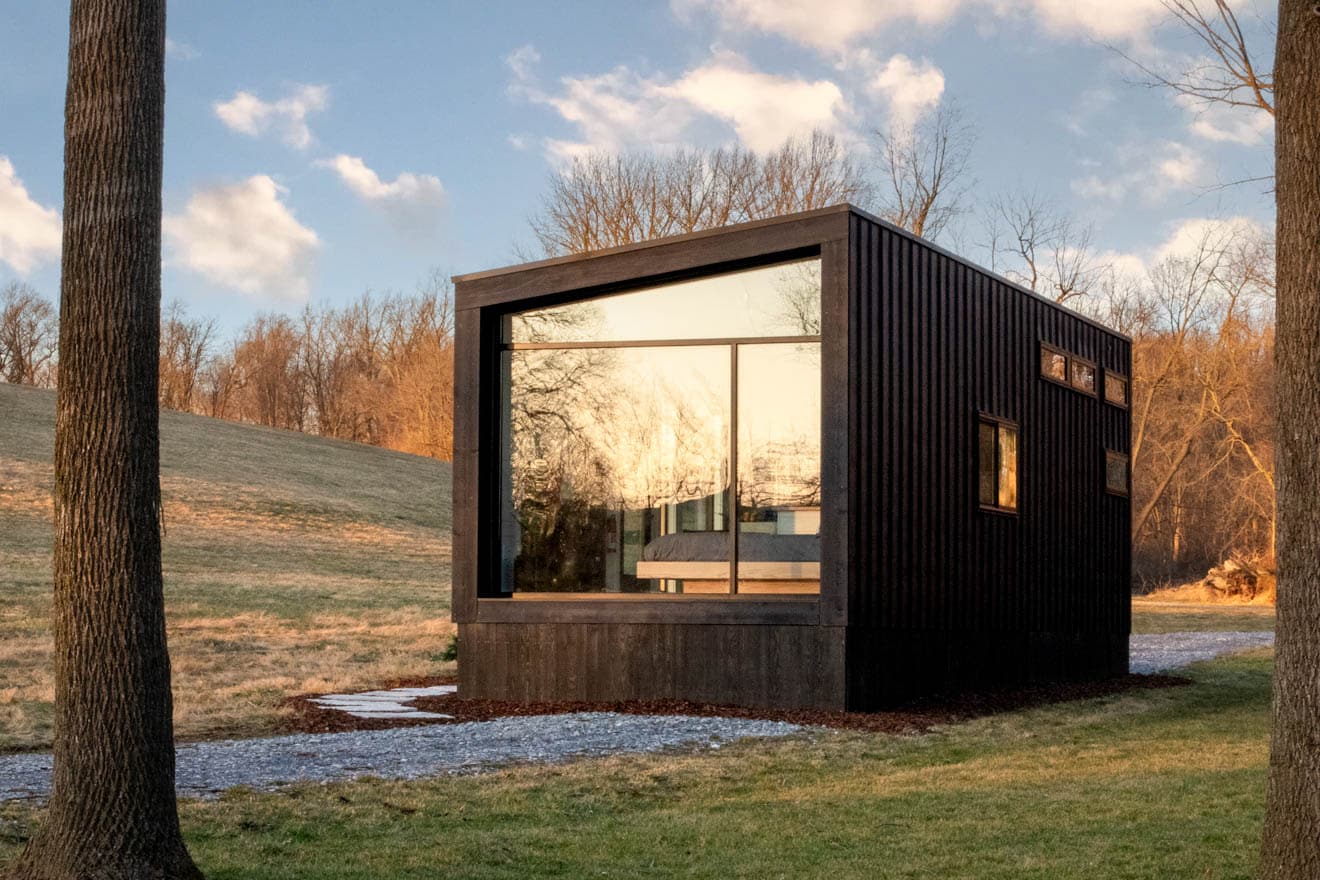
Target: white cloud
(909, 87)
(832, 27)
(29, 233)
(623, 109)
(242, 236)
(1186, 236)
(1238, 125)
(180, 50)
(412, 202)
(1148, 171)
(764, 109)
(1189, 234)
(828, 27)
(287, 117)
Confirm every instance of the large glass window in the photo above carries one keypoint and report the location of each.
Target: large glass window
(635, 425)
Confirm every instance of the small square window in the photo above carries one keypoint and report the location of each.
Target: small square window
(1053, 364)
(997, 446)
(1081, 375)
(1116, 472)
(1116, 389)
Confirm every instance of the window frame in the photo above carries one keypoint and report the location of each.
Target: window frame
(1127, 390)
(1113, 455)
(1095, 375)
(1040, 365)
(999, 423)
(503, 343)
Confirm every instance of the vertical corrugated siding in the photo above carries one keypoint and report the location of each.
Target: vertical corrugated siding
(933, 343)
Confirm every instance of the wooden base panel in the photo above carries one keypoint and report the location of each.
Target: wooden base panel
(763, 666)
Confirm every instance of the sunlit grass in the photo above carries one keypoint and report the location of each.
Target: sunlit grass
(1151, 784)
(292, 564)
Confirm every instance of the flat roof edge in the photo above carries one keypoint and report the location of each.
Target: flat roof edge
(840, 208)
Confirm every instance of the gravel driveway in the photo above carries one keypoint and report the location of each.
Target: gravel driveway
(205, 769)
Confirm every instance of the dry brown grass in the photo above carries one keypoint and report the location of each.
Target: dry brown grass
(292, 564)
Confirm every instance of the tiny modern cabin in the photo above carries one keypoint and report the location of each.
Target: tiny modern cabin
(808, 461)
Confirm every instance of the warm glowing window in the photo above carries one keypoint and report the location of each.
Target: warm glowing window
(666, 440)
(997, 445)
(1116, 389)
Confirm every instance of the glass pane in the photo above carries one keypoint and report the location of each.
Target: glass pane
(1116, 472)
(779, 468)
(617, 470)
(988, 477)
(1083, 376)
(1008, 467)
(1115, 389)
(779, 300)
(1053, 365)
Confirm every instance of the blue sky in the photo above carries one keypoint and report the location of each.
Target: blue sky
(318, 149)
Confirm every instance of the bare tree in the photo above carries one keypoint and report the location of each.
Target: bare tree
(29, 334)
(923, 171)
(1042, 248)
(1291, 846)
(112, 810)
(184, 347)
(605, 200)
(1228, 74)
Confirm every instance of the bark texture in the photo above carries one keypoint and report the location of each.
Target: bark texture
(112, 811)
(1291, 847)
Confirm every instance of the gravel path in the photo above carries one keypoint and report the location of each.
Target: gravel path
(1159, 653)
(410, 752)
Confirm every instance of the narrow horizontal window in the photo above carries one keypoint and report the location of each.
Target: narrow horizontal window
(997, 467)
(1116, 389)
(1116, 472)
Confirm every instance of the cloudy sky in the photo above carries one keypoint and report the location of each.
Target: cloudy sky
(318, 148)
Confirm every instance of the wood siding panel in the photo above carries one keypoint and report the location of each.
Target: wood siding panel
(780, 666)
(943, 595)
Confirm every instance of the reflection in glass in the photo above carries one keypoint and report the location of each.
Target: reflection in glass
(617, 459)
(778, 300)
(1116, 472)
(1053, 364)
(1116, 389)
(779, 468)
(1008, 467)
(1083, 375)
(989, 477)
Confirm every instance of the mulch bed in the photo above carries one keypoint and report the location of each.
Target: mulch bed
(913, 718)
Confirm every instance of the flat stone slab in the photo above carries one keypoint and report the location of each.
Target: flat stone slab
(393, 703)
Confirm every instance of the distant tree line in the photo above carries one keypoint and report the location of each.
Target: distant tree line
(380, 370)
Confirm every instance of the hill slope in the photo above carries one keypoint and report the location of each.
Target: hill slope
(292, 563)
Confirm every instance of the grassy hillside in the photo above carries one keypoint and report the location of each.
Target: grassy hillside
(292, 563)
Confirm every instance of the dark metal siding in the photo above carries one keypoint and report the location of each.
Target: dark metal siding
(950, 595)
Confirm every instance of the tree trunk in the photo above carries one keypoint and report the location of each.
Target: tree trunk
(1291, 847)
(112, 809)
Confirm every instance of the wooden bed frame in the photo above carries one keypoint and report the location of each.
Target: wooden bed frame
(753, 577)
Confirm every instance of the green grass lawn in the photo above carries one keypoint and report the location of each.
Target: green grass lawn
(1164, 617)
(292, 564)
(1153, 784)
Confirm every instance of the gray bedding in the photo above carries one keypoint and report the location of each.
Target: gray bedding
(714, 547)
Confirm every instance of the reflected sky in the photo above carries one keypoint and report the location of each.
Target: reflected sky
(778, 300)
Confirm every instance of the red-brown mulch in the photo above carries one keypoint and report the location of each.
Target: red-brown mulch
(913, 718)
